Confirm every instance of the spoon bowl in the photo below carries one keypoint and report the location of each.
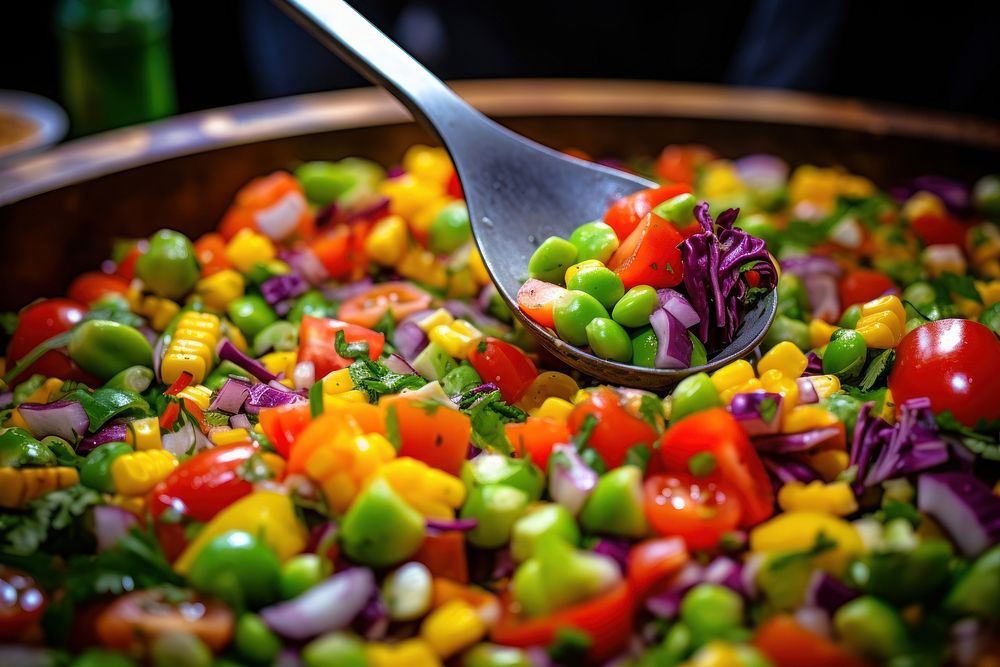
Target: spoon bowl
(518, 192)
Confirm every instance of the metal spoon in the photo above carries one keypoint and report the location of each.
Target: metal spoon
(518, 192)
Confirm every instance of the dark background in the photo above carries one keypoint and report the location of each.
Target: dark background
(946, 56)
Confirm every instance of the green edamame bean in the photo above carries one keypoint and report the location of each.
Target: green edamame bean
(644, 346)
(849, 319)
(251, 314)
(311, 303)
(785, 328)
(337, 649)
(323, 182)
(710, 610)
(594, 240)
(870, 627)
(450, 229)
(551, 259)
(609, 340)
(693, 394)
(599, 282)
(254, 640)
(845, 354)
(573, 312)
(635, 306)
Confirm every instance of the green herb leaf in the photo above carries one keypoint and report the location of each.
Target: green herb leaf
(386, 325)
(316, 399)
(948, 284)
(376, 380)
(216, 418)
(822, 544)
(569, 647)
(354, 350)
(638, 456)
(582, 436)
(878, 368)
(651, 412)
(895, 509)
(31, 529)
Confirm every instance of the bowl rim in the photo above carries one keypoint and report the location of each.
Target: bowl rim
(119, 150)
(49, 117)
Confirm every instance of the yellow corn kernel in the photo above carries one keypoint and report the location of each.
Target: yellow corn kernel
(457, 339)
(835, 498)
(479, 271)
(195, 347)
(134, 504)
(218, 289)
(555, 408)
(144, 434)
(719, 179)
(422, 266)
(829, 463)
(731, 375)
(337, 382)
(437, 318)
(922, 203)
(199, 393)
(409, 653)
(943, 258)
(428, 164)
(248, 248)
(44, 392)
(231, 436)
(452, 627)
(430, 491)
(774, 381)
(548, 384)
(11, 487)
(888, 303)
(878, 336)
(785, 357)
(407, 194)
(174, 364)
(807, 417)
(19, 486)
(207, 322)
(279, 362)
(387, 241)
(989, 292)
(748, 387)
(825, 385)
(136, 473)
(575, 268)
(820, 332)
(886, 317)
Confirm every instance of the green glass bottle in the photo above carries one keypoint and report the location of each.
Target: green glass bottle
(115, 62)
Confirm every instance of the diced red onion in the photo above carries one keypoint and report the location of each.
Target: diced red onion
(805, 265)
(409, 340)
(112, 523)
(969, 641)
(240, 421)
(158, 350)
(437, 526)
(677, 305)
(232, 395)
(828, 592)
(304, 375)
(66, 419)
(338, 293)
(784, 443)
(398, 364)
(814, 619)
(964, 505)
(328, 606)
(571, 481)
(280, 219)
(267, 396)
(615, 549)
(181, 441)
(749, 410)
(673, 348)
(305, 262)
(289, 657)
(372, 622)
(824, 299)
(374, 208)
(229, 352)
(114, 432)
(807, 391)
(283, 288)
(785, 469)
(762, 172)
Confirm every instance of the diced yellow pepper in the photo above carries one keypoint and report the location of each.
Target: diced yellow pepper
(229, 437)
(430, 491)
(807, 417)
(554, 408)
(888, 411)
(199, 393)
(332, 402)
(137, 473)
(458, 339)
(279, 362)
(422, 266)
(829, 463)
(731, 375)
(407, 194)
(462, 283)
(16, 421)
(797, 531)
(825, 385)
(575, 268)
(45, 391)
(337, 382)
(922, 203)
(218, 289)
(342, 466)
(479, 271)
(428, 164)
(437, 318)
(387, 241)
(720, 178)
(820, 332)
(748, 387)
(19, 486)
(133, 504)
(409, 653)
(248, 248)
(835, 498)
(452, 627)
(144, 434)
(989, 292)
(785, 357)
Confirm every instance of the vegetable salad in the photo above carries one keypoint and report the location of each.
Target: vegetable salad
(317, 437)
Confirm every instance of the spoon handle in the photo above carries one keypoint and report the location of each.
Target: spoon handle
(369, 51)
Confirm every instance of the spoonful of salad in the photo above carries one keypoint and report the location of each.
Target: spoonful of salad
(629, 282)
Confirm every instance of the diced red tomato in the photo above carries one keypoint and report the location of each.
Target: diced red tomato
(283, 424)
(317, 343)
(537, 299)
(653, 563)
(211, 252)
(717, 432)
(617, 429)
(863, 285)
(332, 248)
(649, 255)
(698, 510)
(625, 214)
(399, 299)
(126, 267)
(506, 366)
(260, 194)
(93, 285)
(433, 433)
(678, 163)
(454, 188)
(788, 644)
(134, 620)
(933, 229)
(444, 555)
(536, 437)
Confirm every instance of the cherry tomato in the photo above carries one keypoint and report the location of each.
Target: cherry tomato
(739, 468)
(863, 285)
(438, 436)
(261, 194)
(91, 286)
(653, 563)
(933, 229)
(955, 363)
(318, 337)
(537, 298)
(36, 324)
(506, 366)
(536, 437)
(618, 428)
(625, 214)
(606, 619)
(399, 299)
(22, 602)
(649, 255)
(211, 252)
(678, 163)
(134, 620)
(698, 510)
(788, 644)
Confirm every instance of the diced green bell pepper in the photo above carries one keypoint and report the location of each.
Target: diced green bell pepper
(380, 528)
(18, 449)
(96, 469)
(499, 469)
(615, 506)
(558, 575)
(548, 519)
(169, 267)
(496, 507)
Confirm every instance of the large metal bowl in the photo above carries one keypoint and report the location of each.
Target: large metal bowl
(61, 210)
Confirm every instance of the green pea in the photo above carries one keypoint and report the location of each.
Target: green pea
(635, 306)
(594, 240)
(180, 648)
(600, 282)
(493, 655)
(693, 394)
(920, 294)
(324, 182)
(785, 328)
(337, 649)
(849, 319)
(254, 640)
(311, 303)
(300, 573)
(871, 627)
(497, 507)
(450, 229)
(678, 210)
(550, 261)
(609, 340)
(280, 337)
(699, 355)
(845, 354)
(251, 314)
(991, 318)
(710, 610)
(644, 346)
(573, 312)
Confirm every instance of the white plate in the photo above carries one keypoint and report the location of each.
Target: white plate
(47, 115)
